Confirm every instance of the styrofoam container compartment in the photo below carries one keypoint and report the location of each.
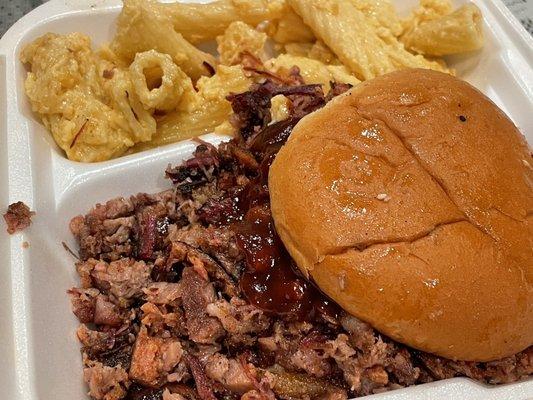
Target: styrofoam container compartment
(39, 351)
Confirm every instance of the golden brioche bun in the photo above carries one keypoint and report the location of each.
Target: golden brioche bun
(408, 201)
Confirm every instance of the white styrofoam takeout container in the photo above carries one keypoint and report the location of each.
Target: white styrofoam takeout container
(38, 348)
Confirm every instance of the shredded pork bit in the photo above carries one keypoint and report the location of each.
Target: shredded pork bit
(163, 313)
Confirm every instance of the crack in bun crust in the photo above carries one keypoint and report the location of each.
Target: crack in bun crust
(408, 201)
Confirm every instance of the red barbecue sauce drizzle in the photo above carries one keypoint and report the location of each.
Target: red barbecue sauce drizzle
(270, 281)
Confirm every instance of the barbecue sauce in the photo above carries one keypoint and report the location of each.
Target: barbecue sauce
(271, 281)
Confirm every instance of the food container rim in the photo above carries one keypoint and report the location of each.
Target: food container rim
(17, 182)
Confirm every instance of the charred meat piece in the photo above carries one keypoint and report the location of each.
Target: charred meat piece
(111, 347)
(219, 243)
(139, 392)
(203, 383)
(163, 320)
(337, 89)
(198, 293)
(252, 109)
(203, 264)
(196, 171)
(126, 227)
(273, 135)
(17, 217)
(216, 211)
(84, 303)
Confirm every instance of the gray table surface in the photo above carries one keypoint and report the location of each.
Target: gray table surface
(12, 10)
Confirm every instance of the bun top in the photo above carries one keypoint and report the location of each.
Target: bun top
(409, 202)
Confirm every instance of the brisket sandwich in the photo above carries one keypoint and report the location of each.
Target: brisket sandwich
(409, 202)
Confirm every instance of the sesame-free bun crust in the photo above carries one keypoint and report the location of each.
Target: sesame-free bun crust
(409, 202)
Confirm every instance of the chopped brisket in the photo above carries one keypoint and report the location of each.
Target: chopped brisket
(203, 383)
(310, 361)
(273, 135)
(109, 346)
(83, 303)
(119, 355)
(84, 269)
(148, 232)
(507, 370)
(167, 395)
(196, 171)
(216, 210)
(95, 341)
(219, 243)
(105, 312)
(123, 280)
(337, 89)
(402, 367)
(243, 157)
(17, 217)
(106, 383)
(139, 392)
(163, 292)
(165, 304)
(229, 372)
(126, 227)
(184, 390)
(252, 108)
(242, 321)
(160, 321)
(292, 385)
(198, 293)
(153, 359)
(203, 264)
